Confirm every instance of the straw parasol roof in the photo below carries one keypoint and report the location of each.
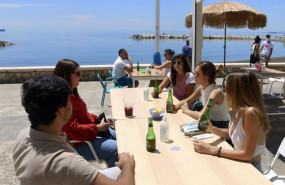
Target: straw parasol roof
(231, 14)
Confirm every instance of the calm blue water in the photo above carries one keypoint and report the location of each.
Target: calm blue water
(90, 48)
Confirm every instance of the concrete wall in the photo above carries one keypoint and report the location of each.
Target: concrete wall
(89, 73)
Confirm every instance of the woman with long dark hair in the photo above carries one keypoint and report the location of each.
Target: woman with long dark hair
(82, 126)
(180, 77)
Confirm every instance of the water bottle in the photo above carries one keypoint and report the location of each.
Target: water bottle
(146, 92)
(164, 130)
(147, 70)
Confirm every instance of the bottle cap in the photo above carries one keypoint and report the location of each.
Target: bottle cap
(164, 118)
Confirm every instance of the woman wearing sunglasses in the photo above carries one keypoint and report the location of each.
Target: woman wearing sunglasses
(205, 76)
(82, 126)
(180, 77)
(250, 124)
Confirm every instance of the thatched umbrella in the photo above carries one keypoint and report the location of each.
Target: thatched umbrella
(229, 14)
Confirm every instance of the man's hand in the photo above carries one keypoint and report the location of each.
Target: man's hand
(111, 122)
(103, 126)
(125, 159)
(130, 60)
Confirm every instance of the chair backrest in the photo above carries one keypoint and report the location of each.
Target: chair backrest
(281, 150)
(101, 81)
(110, 72)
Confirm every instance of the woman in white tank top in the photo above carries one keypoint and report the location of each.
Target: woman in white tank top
(205, 76)
(250, 124)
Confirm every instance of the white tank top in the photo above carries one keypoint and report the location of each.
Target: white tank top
(238, 138)
(219, 112)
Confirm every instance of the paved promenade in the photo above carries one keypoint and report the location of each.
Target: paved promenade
(13, 119)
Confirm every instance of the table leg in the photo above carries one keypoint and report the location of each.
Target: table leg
(134, 82)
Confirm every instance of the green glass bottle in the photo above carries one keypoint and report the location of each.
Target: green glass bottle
(150, 137)
(156, 90)
(169, 102)
(203, 122)
(138, 66)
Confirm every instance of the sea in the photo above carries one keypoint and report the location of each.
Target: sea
(46, 48)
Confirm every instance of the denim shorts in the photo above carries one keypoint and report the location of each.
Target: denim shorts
(257, 165)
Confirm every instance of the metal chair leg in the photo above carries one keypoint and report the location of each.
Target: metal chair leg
(103, 99)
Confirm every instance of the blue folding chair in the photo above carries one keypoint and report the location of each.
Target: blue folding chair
(105, 87)
(116, 80)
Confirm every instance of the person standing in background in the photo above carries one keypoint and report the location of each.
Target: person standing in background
(266, 49)
(187, 50)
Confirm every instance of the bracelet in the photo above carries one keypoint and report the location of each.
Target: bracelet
(219, 151)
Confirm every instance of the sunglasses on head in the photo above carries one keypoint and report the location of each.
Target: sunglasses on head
(77, 73)
(178, 63)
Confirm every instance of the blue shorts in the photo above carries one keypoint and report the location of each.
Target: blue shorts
(125, 81)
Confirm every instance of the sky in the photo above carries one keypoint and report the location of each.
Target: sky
(136, 16)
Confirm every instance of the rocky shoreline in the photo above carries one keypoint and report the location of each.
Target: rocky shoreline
(209, 37)
(5, 43)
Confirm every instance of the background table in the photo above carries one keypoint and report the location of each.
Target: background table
(266, 74)
(169, 167)
(155, 74)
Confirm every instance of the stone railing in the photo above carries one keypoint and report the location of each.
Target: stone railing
(89, 72)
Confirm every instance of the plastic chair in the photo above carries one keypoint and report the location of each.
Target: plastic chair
(101, 162)
(273, 80)
(105, 88)
(270, 174)
(116, 80)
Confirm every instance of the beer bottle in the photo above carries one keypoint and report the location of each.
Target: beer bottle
(150, 137)
(138, 66)
(203, 122)
(156, 90)
(169, 102)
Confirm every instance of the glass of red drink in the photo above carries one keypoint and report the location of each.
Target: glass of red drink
(129, 111)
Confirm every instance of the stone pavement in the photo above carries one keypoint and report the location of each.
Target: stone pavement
(13, 119)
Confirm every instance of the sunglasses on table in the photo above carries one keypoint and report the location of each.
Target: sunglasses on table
(178, 63)
(77, 73)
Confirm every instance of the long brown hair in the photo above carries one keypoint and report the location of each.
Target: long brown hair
(174, 73)
(64, 68)
(209, 69)
(243, 92)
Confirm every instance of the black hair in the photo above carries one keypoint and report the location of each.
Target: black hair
(267, 36)
(174, 73)
(43, 96)
(121, 51)
(170, 52)
(256, 40)
(64, 68)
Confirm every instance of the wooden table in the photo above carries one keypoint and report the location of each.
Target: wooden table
(266, 74)
(155, 74)
(167, 167)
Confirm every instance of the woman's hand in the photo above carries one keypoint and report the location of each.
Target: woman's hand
(185, 107)
(204, 148)
(176, 107)
(103, 126)
(111, 122)
(152, 93)
(210, 126)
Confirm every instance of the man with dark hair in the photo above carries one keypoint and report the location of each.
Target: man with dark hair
(187, 52)
(43, 154)
(122, 71)
(266, 49)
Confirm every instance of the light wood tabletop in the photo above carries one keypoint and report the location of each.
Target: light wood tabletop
(155, 74)
(168, 167)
